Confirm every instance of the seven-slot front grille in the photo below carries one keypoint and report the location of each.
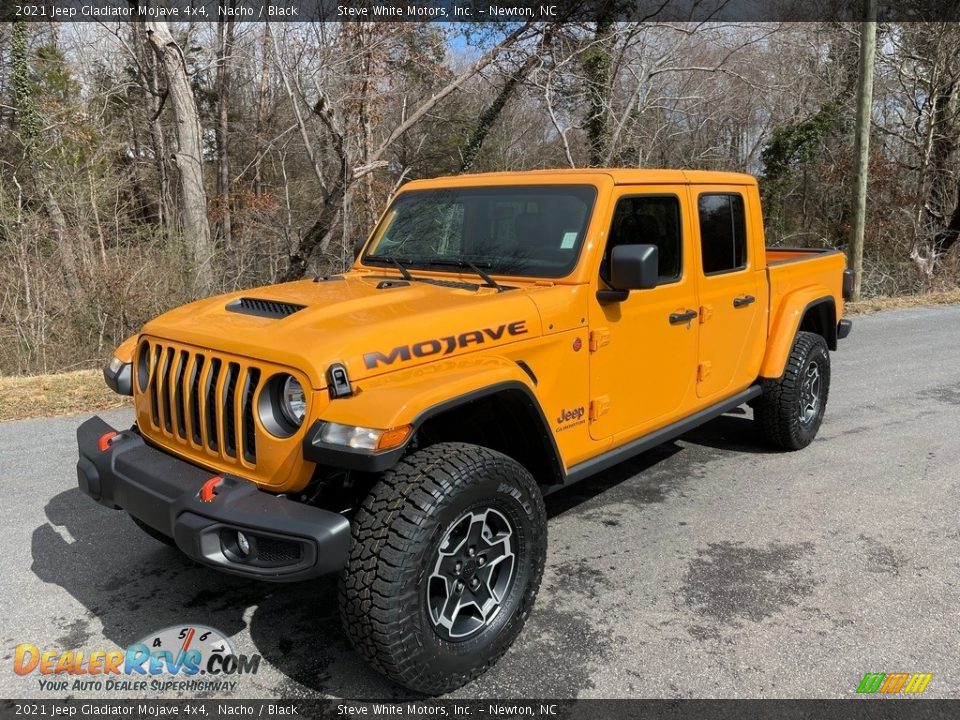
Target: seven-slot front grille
(202, 399)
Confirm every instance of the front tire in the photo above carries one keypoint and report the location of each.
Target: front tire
(789, 413)
(447, 557)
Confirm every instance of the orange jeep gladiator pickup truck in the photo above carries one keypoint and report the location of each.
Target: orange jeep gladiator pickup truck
(499, 337)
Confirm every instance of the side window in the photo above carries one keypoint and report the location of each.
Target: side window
(723, 233)
(648, 220)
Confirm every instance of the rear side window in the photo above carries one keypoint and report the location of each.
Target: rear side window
(648, 220)
(723, 233)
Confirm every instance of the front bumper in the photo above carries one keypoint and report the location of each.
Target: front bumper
(288, 540)
(843, 329)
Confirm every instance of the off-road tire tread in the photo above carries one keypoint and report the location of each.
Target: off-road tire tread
(775, 412)
(386, 529)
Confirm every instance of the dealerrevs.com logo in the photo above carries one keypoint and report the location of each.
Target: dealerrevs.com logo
(184, 658)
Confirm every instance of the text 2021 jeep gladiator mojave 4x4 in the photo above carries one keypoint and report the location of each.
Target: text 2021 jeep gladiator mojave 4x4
(499, 337)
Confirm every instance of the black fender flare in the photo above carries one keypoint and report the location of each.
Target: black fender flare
(348, 459)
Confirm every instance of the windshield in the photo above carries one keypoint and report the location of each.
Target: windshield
(521, 230)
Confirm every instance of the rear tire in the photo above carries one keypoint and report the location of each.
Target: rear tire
(789, 413)
(416, 602)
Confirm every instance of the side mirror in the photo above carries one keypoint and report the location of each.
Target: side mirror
(632, 267)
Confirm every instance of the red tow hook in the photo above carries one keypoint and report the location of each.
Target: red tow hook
(208, 491)
(104, 442)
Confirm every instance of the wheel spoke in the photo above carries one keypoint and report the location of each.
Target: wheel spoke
(809, 399)
(451, 609)
(497, 532)
(502, 567)
(457, 537)
(497, 550)
(475, 535)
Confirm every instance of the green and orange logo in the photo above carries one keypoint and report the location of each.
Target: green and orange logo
(894, 683)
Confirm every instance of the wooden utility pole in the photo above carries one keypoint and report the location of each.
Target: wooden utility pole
(868, 46)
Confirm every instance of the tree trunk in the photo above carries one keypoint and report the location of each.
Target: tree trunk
(947, 238)
(226, 32)
(150, 81)
(488, 117)
(868, 44)
(25, 116)
(319, 234)
(597, 67)
(261, 115)
(364, 57)
(188, 156)
(64, 242)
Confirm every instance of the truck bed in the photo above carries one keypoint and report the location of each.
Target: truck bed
(781, 255)
(790, 270)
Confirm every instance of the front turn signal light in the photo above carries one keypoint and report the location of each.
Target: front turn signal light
(394, 438)
(362, 438)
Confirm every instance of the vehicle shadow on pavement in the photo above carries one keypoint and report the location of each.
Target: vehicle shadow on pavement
(734, 431)
(570, 497)
(133, 585)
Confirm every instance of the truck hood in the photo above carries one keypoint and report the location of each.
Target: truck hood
(369, 322)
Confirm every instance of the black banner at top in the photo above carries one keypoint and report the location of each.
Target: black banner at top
(477, 11)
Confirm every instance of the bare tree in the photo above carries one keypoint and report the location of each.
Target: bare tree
(305, 130)
(188, 155)
(226, 28)
(319, 235)
(148, 71)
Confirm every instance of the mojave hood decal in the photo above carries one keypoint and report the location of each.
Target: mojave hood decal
(444, 345)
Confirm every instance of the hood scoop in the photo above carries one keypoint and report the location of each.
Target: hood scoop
(263, 308)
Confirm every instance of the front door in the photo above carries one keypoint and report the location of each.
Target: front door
(644, 349)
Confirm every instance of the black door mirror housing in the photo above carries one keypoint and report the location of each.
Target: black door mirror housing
(632, 267)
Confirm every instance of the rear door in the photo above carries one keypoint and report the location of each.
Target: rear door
(644, 349)
(732, 289)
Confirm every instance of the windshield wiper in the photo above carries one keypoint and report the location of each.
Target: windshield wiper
(400, 264)
(467, 264)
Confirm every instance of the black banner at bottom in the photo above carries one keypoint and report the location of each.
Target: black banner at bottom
(853, 709)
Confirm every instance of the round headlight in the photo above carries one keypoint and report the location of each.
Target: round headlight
(293, 402)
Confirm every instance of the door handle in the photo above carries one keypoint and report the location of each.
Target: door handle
(743, 301)
(682, 318)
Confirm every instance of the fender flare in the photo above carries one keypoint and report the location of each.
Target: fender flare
(125, 350)
(426, 392)
(793, 308)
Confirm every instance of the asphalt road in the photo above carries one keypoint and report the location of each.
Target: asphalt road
(706, 568)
